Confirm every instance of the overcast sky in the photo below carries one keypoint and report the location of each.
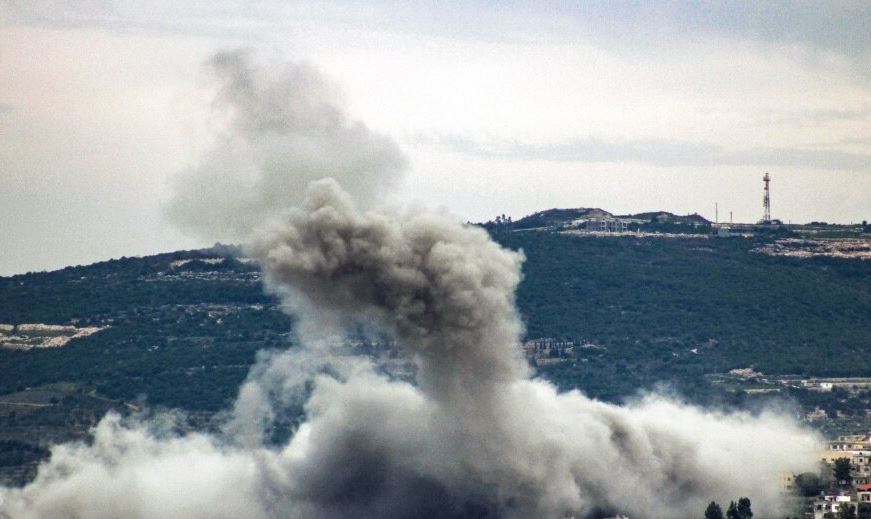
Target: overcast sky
(507, 108)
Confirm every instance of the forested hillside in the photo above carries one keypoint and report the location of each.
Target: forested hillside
(183, 328)
(673, 309)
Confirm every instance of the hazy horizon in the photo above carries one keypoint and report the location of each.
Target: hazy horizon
(510, 109)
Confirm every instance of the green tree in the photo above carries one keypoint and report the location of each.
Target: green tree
(841, 471)
(864, 511)
(743, 509)
(807, 484)
(732, 512)
(713, 511)
(846, 511)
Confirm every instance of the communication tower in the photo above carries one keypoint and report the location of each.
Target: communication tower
(766, 200)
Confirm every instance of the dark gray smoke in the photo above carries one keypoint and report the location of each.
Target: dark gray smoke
(284, 125)
(446, 292)
(474, 437)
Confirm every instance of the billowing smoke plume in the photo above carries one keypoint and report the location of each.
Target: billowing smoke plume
(446, 292)
(473, 437)
(284, 126)
(476, 437)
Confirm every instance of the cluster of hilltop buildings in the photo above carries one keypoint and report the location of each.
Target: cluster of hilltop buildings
(597, 220)
(548, 351)
(854, 491)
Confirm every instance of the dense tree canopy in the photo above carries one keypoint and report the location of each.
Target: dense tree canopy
(713, 511)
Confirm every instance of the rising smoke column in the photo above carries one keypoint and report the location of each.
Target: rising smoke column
(477, 432)
(279, 127)
(475, 436)
(446, 292)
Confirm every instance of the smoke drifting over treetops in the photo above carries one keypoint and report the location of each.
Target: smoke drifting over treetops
(475, 436)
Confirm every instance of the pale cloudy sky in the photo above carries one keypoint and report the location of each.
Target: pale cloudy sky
(501, 107)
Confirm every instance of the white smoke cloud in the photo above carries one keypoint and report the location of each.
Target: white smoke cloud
(285, 125)
(474, 437)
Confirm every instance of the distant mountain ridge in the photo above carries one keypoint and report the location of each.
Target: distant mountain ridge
(575, 217)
